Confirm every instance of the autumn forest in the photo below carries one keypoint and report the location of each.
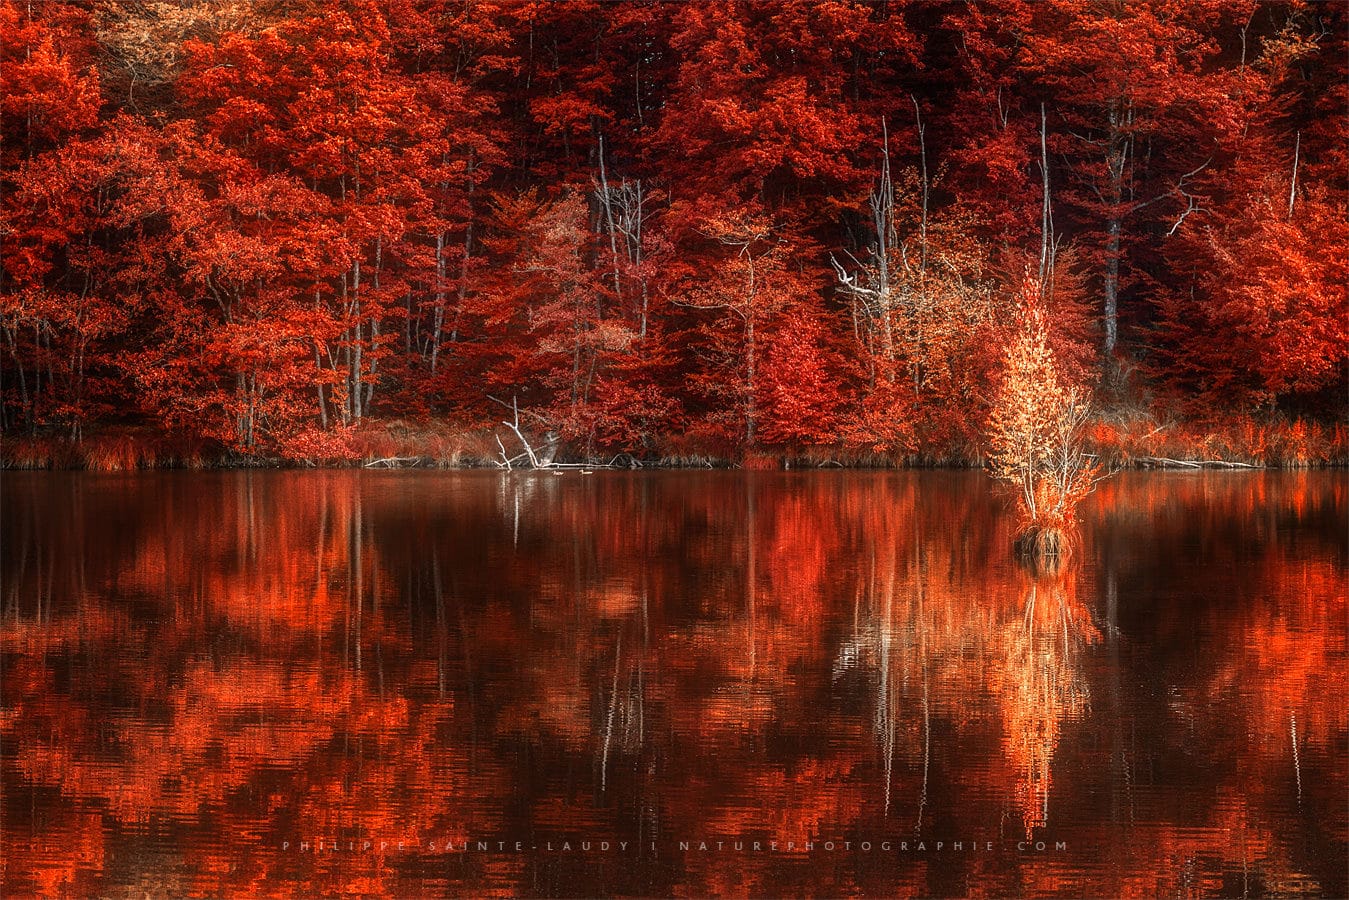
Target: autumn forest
(339, 230)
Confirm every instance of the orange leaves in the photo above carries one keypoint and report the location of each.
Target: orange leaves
(1035, 428)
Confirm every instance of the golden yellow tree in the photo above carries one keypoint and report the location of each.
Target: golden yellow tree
(1035, 434)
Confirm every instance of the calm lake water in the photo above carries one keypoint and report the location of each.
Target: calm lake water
(261, 683)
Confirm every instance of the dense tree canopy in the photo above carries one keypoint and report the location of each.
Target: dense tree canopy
(726, 226)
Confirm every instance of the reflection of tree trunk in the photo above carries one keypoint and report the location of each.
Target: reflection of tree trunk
(751, 577)
(357, 581)
(442, 631)
(609, 722)
(885, 712)
(749, 383)
(515, 516)
(648, 819)
(1119, 765)
(45, 599)
(1297, 763)
(922, 657)
(469, 681)
(641, 674)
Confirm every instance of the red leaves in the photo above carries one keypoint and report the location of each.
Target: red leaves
(47, 67)
(1275, 293)
(800, 394)
(274, 220)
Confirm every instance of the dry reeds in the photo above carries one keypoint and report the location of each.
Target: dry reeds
(124, 450)
(1115, 438)
(1139, 438)
(760, 462)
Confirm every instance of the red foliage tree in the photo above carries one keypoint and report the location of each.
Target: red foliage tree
(267, 224)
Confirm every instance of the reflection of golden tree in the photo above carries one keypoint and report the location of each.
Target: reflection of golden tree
(941, 638)
(1040, 685)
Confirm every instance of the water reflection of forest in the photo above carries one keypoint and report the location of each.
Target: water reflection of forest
(197, 670)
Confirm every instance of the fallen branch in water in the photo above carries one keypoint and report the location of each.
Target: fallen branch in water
(393, 462)
(514, 426)
(1166, 462)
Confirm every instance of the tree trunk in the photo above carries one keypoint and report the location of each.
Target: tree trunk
(608, 203)
(354, 394)
(1117, 156)
(749, 385)
(1046, 208)
(1111, 286)
(438, 319)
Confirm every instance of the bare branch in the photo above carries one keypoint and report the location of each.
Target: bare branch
(1193, 206)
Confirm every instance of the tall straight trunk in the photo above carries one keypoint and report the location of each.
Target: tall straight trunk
(882, 217)
(607, 201)
(252, 409)
(749, 381)
(1046, 207)
(921, 307)
(1117, 157)
(750, 361)
(922, 156)
(27, 405)
(468, 249)
(637, 256)
(77, 388)
(438, 317)
(407, 325)
(372, 381)
(50, 356)
(576, 351)
(1112, 285)
(323, 403)
(646, 305)
(37, 367)
(4, 409)
(1292, 187)
(241, 428)
(354, 393)
(318, 365)
(344, 349)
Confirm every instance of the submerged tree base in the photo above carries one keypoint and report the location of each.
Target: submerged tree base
(1044, 544)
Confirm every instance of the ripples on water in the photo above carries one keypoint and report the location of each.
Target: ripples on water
(206, 677)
